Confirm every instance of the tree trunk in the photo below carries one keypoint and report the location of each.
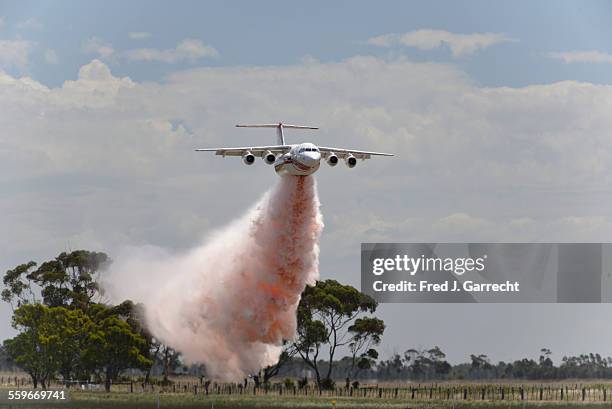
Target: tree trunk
(167, 363)
(153, 360)
(166, 371)
(107, 381)
(66, 376)
(34, 381)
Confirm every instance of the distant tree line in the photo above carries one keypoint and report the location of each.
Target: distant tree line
(431, 365)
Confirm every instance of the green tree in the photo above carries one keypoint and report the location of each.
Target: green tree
(30, 349)
(311, 335)
(113, 346)
(70, 332)
(67, 280)
(50, 341)
(18, 289)
(70, 339)
(133, 314)
(70, 279)
(365, 333)
(325, 313)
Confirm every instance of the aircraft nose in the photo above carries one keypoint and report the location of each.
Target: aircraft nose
(311, 158)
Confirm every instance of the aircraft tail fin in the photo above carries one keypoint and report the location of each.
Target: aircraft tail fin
(279, 129)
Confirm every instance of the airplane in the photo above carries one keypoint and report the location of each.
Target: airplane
(296, 159)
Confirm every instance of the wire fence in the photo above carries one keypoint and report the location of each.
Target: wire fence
(421, 392)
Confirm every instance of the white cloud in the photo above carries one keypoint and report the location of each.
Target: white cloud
(533, 154)
(569, 57)
(187, 50)
(51, 56)
(104, 161)
(426, 39)
(139, 35)
(29, 24)
(15, 53)
(95, 45)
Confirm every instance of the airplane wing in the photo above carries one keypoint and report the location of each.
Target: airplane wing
(255, 150)
(343, 153)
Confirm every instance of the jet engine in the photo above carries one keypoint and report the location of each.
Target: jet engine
(350, 161)
(332, 159)
(248, 158)
(269, 157)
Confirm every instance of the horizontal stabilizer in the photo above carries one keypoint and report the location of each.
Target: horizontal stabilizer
(276, 126)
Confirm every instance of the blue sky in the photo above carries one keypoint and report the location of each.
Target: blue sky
(280, 33)
(498, 113)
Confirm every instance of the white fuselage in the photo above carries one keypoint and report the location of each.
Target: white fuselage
(302, 160)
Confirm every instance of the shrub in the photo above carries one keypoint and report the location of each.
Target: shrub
(328, 384)
(302, 383)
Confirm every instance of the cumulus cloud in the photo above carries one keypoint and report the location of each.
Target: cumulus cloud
(139, 35)
(464, 227)
(187, 50)
(15, 53)
(103, 161)
(51, 56)
(95, 45)
(569, 57)
(461, 149)
(426, 39)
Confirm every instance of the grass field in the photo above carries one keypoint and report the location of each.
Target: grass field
(101, 400)
(188, 393)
